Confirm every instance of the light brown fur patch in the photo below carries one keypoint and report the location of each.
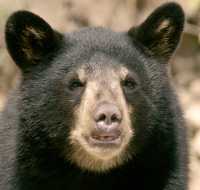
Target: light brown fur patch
(35, 32)
(163, 25)
(27, 33)
(161, 46)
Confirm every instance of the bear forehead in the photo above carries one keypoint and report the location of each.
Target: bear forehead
(101, 65)
(98, 46)
(101, 39)
(94, 63)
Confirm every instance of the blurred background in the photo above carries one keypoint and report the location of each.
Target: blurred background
(69, 15)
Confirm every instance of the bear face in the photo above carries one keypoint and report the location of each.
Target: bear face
(89, 96)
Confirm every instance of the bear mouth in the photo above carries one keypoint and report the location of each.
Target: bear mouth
(105, 139)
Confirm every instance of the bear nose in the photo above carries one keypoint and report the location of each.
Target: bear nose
(107, 116)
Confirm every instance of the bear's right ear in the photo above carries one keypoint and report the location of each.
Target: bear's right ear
(30, 39)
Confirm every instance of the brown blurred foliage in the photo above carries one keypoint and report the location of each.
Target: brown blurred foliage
(69, 15)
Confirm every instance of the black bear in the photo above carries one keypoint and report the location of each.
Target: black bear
(95, 108)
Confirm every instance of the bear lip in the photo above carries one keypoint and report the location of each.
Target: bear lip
(106, 135)
(105, 139)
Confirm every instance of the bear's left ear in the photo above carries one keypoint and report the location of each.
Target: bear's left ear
(160, 33)
(30, 39)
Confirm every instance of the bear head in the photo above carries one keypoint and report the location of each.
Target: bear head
(89, 96)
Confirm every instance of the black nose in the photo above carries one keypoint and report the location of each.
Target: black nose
(107, 116)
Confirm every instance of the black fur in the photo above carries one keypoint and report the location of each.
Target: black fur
(36, 123)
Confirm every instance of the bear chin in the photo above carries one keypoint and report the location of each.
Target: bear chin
(92, 155)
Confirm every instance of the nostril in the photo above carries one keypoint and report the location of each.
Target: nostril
(102, 117)
(115, 118)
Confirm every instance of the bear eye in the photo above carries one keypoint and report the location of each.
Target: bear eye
(75, 84)
(129, 84)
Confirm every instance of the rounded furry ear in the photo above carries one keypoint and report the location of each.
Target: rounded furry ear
(160, 33)
(30, 39)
